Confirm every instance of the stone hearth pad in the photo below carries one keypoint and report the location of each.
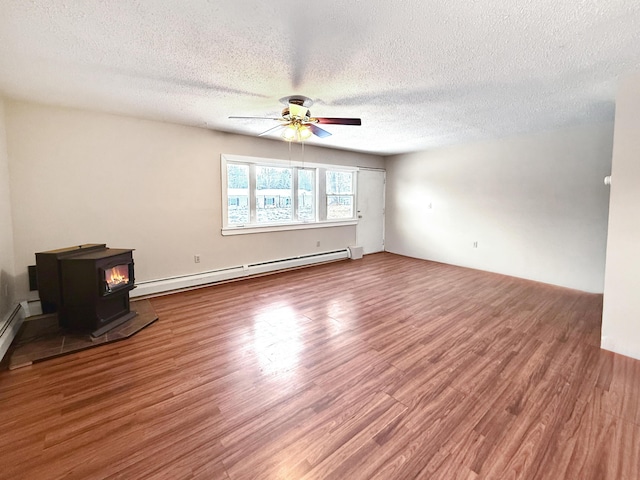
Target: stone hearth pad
(40, 338)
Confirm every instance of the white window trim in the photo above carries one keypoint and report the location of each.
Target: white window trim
(320, 195)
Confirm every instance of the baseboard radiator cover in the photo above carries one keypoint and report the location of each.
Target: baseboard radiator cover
(9, 327)
(153, 287)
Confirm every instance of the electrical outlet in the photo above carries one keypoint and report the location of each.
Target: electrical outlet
(196, 258)
(475, 244)
(318, 243)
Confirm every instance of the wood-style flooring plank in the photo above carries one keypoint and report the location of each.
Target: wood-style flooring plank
(382, 368)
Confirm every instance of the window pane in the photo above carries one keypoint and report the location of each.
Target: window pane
(339, 182)
(237, 194)
(307, 195)
(339, 206)
(273, 195)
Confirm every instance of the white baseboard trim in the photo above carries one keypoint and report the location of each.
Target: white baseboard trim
(633, 351)
(9, 327)
(163, 285)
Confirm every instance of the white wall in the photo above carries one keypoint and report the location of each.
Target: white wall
(536, 204)
(621, 312)
(7, 272)
(86, 177)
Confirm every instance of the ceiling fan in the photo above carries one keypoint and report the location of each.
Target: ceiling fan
(296, 121)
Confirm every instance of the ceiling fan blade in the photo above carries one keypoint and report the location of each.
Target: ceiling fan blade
(298, 110)
(318, 132)
(271, 130)
(339, 121)
(260, 118)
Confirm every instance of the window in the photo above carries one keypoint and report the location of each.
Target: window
(238, 194)
(263, 194)
(306, 194)
(339, 194)
(274, 187)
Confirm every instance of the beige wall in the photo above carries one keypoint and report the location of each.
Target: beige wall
(7, 272)
(621, 312)
(86, 177)
(536, 204)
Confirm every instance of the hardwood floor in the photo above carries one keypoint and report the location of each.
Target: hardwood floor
(386, 367)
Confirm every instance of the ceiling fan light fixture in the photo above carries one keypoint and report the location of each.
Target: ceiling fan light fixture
(289, 133)
(304, 132)
(296, 132)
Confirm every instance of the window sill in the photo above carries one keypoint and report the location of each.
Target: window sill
(288, 226)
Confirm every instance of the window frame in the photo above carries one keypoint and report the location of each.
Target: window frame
(320, 200)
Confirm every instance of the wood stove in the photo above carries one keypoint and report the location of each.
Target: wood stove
(87, 285)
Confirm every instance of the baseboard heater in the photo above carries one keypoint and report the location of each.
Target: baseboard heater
(9, 328)
(152, 287)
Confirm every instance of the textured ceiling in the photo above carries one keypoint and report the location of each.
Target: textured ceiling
(420, 74)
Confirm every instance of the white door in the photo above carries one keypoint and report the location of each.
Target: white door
(370, 229)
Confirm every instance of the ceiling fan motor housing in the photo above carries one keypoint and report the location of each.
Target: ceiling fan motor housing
(286, 113)
(300, 100)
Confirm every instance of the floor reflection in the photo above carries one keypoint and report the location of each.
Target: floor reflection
(277, 338)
